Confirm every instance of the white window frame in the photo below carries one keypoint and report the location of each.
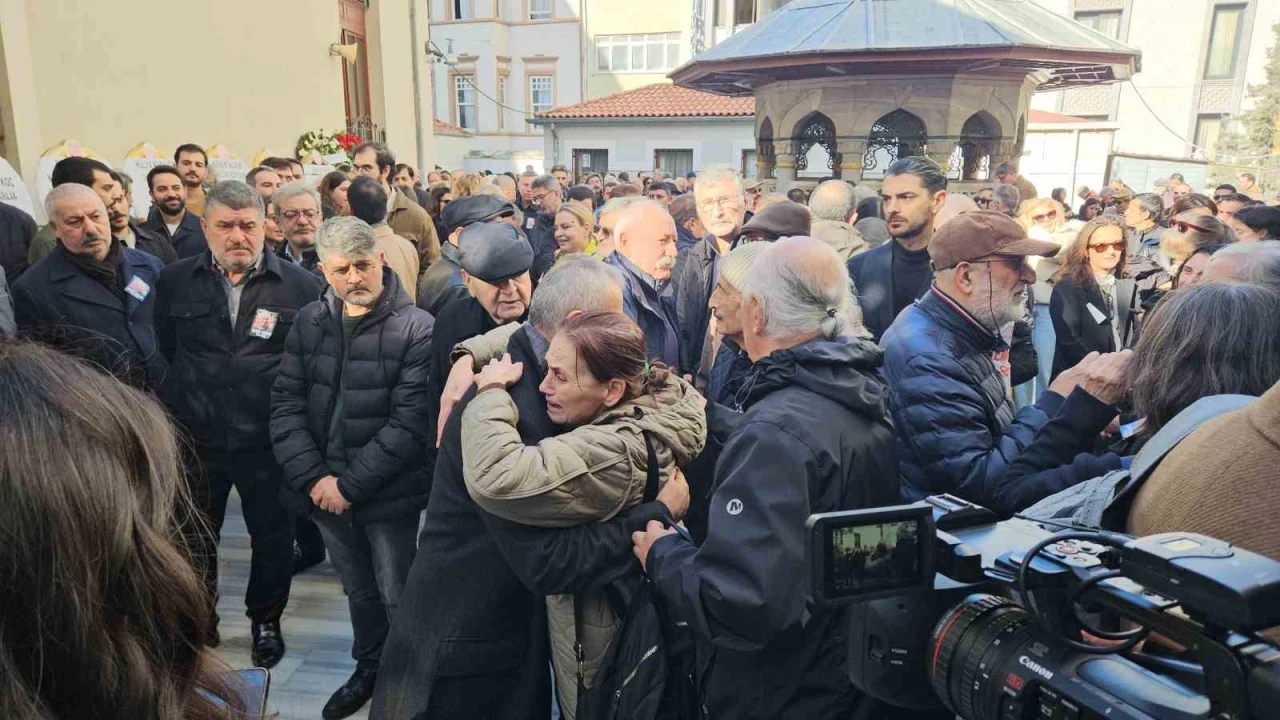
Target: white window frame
(502, 102)
(470, 80)
(456, 6)
(546, 12)
(633, 44)
(1095, 15)
(550, 89)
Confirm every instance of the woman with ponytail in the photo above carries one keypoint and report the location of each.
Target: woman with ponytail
(619, 410)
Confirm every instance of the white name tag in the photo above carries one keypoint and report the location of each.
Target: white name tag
(264, 323)
(1098, 316)
(138, 288)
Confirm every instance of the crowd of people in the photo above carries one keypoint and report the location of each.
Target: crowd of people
(529, 419)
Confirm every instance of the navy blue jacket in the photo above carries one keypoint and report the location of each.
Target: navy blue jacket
(692, 285)
(189, 239)
(542, 237)
(957, 429)
(652, 309)
(56, 303)
(815, 438)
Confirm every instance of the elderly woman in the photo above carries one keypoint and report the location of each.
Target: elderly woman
(623, 415)
(1091, 307)
(1046, 219)
(574, 230)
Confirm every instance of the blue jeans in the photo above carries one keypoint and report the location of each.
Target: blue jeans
(1045, 341)
(373, 561)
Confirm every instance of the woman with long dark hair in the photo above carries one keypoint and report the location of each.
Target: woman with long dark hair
(438, 198)
(101, 613)
(333, 194)
(1090, 305)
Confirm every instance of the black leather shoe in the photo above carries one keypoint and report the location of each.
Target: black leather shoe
(268, 644)
(352, 696)
(305, 561)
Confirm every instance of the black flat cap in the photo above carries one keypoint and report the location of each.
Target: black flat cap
(473, 209)
(782, 219)
(493, 251)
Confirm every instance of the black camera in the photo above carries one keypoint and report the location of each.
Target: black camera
(1013, 620)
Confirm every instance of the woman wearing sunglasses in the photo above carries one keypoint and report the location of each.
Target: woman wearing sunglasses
(1092, 306)
(1045, 219)
(1187, 233)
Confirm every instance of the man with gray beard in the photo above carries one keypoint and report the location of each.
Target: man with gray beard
(646, 253)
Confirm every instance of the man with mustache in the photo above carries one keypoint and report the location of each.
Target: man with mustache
(346, 426)
(222, 317)
(297, 208)
(646, 254)
(82, 171)
(193, 163)
(890, 277)
(947, 360)
(170, 215)
(92, 296)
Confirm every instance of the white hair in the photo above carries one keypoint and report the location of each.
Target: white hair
(717, 174)
(803, 288)
(577, 282)
(288, 191)
(833, 200)
(66, 192)
(635, 210)
(619, 204)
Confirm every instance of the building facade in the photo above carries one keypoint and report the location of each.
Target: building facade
(1198, 59)
(243, 74)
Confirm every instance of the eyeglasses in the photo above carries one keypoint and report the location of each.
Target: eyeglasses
(292, 215)
(1051, 215)
(1103, 247)
(1184, 226)
(981, 201)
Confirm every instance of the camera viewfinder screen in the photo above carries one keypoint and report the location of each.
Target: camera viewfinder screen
(878, 556)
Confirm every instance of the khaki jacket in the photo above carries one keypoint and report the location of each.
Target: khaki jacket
(586, 475)
(402, 257)
(411, 222)
(841, 236)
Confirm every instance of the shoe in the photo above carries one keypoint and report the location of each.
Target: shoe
(304, 561)
(268, 644)
(352, 696)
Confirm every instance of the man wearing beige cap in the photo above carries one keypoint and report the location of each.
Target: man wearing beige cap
(947, 363)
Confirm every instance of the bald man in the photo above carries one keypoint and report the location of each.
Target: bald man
(645, 242)
(506, 185)
(92, 296)
(834, 206)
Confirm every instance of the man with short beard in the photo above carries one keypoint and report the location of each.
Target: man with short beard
(221, 318)
(346, 426)
(169, 212)
(646, 253)
(193, 164)
(134, 235)
(947, 363)
(92, 297)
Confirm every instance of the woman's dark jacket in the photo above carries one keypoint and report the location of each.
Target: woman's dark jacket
(1078, 331)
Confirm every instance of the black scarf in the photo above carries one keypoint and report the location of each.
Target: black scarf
(106, 271)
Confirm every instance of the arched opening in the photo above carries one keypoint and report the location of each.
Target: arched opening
(896, 135)
(979, 140)
(815, 143)
(765, 150)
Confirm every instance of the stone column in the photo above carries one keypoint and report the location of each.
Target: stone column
(786, 171)
(851, 152)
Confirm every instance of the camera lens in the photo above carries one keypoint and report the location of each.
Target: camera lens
(974, 650)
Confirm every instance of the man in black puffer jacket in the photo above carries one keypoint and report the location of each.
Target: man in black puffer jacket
(948, 363)
(349, 426)
(815, 438)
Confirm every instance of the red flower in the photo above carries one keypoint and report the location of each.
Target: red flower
(348, 141)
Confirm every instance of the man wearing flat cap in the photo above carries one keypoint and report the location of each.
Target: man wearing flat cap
(443, 282)
(782, 219)
(494, 263)
(947, 363)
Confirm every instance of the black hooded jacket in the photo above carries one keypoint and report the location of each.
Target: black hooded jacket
(816, 437)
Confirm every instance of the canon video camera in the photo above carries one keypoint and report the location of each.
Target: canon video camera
(1013, 621)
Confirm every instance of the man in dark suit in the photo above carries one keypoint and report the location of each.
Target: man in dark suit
(169, 214)
(91, 296)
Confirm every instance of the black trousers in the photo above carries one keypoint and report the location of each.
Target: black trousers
(257, 479)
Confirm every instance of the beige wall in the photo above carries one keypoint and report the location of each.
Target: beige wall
(244, 73)
(622, 18)
(391, 85)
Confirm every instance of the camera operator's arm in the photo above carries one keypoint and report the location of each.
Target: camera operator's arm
(747, 581)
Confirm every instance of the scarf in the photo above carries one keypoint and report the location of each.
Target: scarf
(106, 271)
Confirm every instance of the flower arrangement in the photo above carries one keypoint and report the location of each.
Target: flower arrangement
(316, 145)
(348, 141)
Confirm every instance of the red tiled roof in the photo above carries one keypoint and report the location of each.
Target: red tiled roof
(1043, 116)
(445, 128)
(660, 100)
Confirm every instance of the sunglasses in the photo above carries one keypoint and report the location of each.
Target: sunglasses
(984, 202)
(1103, 247)
(1183, 226)
(1051, 215)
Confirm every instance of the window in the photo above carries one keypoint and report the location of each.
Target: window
(540, 97)
(502, 99)
(1208, 130)
(674, 163)
(724, 9)
(1107, 23)
(463, 9)
(539, 9)
(1224, 40)
(654, 52)
(749, 164)
(744, 12)
(464, 92)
